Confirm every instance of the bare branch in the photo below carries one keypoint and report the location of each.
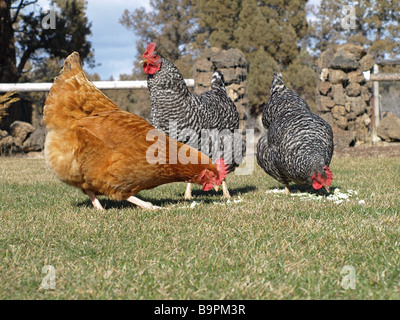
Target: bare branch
(24, 59)
(22, 4)
(17, 12)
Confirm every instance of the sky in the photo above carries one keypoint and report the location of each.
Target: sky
(114, 45)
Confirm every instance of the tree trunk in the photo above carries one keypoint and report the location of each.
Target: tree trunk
(8, 68)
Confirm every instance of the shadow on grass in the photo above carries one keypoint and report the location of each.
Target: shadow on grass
(209, 196)
(198, 195)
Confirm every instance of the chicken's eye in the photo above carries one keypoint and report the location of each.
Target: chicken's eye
(153, 58)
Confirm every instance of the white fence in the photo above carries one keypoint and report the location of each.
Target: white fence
(102, 85)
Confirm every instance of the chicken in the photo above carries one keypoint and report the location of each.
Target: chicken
(95, 146)
(298, 146)
(175, 109)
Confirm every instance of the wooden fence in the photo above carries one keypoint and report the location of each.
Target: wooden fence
(376, 77)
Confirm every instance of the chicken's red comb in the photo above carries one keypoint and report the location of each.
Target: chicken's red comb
(222, 170)
(150, 49)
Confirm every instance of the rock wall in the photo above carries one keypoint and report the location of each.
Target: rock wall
(233, 64)
(19, 136)
(389, 128)
(22, 137)
(343, 96)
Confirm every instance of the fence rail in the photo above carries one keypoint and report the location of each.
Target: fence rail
(383, 62)
(102, 85)
(381, 76)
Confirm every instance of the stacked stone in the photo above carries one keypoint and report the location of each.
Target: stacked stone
(234, 66)
(343, 95)
(389, 128)
(22, 138)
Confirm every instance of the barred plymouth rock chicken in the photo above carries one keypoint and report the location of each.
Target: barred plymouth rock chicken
(298, 146)
(175, 108)
(95, 146)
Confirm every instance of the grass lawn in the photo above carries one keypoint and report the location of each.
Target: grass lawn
(260, 245)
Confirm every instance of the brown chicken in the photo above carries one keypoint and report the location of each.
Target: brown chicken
(95, 146)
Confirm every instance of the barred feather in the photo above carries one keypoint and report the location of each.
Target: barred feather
(298, 142)
(171, 101)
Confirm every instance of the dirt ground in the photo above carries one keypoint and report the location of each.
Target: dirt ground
(390, 150)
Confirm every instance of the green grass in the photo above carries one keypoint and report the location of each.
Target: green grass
(268, 246)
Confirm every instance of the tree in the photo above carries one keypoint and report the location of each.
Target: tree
(170, 24)
(217, 22)
(23, 38)
(323, 29)
(377, 26)
(8, 65)
(269, 32)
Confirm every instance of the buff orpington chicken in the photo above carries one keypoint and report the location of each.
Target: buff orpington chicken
(97, 147)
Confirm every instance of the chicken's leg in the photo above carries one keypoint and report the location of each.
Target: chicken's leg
(188, 192)
(287, 191)
(142, 204)
(225, 191)
(95, 201)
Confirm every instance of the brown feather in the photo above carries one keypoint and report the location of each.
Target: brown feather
(94, 145)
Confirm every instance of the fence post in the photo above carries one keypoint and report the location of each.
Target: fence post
(376, 112)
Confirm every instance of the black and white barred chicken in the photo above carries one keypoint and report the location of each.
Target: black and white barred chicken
(183, 114)
(298, 146)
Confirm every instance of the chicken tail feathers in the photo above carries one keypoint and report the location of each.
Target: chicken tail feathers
(73, 96)
(217, 79)
(277, 83)
(71, 67)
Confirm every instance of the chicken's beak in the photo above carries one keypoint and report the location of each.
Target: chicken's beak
(327, 189)
(216, 188)
(144, 60)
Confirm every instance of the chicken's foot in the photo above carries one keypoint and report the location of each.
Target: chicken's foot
(95, 201)
(188, 192)
(142, 204)
(287, 191)
(225, 191)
